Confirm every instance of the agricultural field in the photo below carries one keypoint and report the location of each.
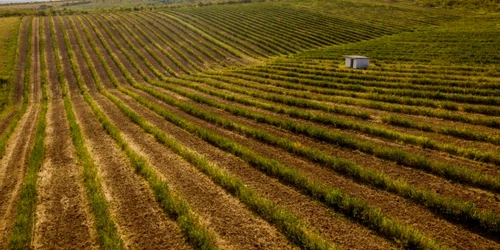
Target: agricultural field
(239, 127)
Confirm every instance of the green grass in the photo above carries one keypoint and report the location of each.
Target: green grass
(4, 137)
(9, 30)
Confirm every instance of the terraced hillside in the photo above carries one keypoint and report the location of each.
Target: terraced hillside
(238, 127)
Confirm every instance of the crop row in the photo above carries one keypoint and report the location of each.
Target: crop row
(253, 158)
(358, 86)
(173, 45)
(105, 226)
(439, 81)
(437, 201)
(172, 204)
(390, 92)
(19, 111)
(206, 48)
(308, 92)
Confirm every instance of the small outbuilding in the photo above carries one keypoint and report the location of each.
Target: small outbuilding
(357, 62)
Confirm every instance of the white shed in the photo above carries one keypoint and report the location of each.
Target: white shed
(357, 62)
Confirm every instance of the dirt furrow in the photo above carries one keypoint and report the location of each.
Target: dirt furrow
(87, 22)
(167, 21)
(62, 221)
(13, 164)
(392, 205)
(23, 47)
(335, 228)
(102, 72)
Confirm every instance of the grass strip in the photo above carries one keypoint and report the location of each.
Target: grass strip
(295, 229)
(139, 26)
(21, 235)
(229, 49)
(466, 134)
(106, 228)
(175, 206)
(4, 137)
(278, 96)
(147, 47)
(172, 27)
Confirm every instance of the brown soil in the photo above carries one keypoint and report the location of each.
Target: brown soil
(6, 120)
(62, 221)
(86, 21)
(142, 50)
(23, 48)
(390, 204)
(435, 155)
(235, 226)
(106, 81)
(165, 20)
(13, 164)
(208, 27)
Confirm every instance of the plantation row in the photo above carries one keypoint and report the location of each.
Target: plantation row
(274, 156)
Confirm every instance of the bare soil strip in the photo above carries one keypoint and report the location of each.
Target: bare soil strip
(62, 220)
(19, 87)
(102, 25)
(13, 164)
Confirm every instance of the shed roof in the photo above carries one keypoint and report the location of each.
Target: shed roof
(357, 57)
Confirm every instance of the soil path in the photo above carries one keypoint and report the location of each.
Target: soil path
(23, 47)
(13, 164)
(62, 221)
